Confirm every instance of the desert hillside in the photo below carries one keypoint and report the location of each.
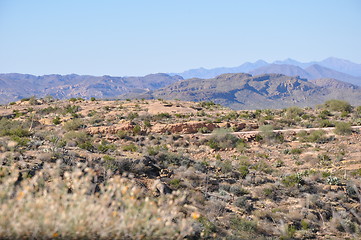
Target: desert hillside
(171, 169)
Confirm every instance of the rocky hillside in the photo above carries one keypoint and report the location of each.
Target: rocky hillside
(15, 86)
(244, 91)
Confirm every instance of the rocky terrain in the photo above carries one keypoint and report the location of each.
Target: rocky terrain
(171, 169)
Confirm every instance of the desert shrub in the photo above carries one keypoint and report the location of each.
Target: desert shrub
(269, 136)
(137, 130)
(238, 190)
(343, 128)
(57, 120)
(293, 180)
(74, 124)
(208, 227)
(10, 127)
(175, 183)
(130, 148)
(243, 225)
(87, 145)
(166, 158)
(338, 105)
(48, 110)
(204, 130)
(92, 99)
(293, 112)
(161, 116)
(295, 151)
(262, 166)
(104, 147)
(325, 123)
(222, 139)
(317, 136)
(77, 136)
(207, 105)
(72, 109)
(132, 115)
(67, 208)
(225, 166)
(243, 171)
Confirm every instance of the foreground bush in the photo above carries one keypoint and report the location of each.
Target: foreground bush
(70, 206)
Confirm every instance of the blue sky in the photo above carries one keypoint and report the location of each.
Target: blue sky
(123, 38)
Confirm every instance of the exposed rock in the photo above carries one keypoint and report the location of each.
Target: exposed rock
(187, 127)
(113, 129)
(161, 187)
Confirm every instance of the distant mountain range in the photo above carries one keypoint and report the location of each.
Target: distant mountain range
(336, 68)
(244, 91)
(14, 86)
(250, 85)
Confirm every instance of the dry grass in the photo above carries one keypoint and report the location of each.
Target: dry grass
(49, 205)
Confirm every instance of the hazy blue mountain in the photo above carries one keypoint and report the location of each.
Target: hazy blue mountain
(288, 70)
(293, 62)
(314, 71)
(318, 71)
(336, 64)
(342, 65)
(210, 73)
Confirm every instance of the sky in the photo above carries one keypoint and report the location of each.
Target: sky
(135, 37)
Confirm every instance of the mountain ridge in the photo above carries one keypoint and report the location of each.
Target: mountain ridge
(353, 70)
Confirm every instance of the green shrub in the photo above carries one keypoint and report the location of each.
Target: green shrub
(243, 170)
(87, 145)
(241, 224)
(222, 139)
(105, 147)
(225, 166)
(166, 158)
(343, 128)
(293, 180)
(269, 136)
(74, 124)
(57, 120)
(161, 116)
(78, 136)
(10, 127)
(72, 109)
(130, 148)
(132, 115)
(175, 183)
(137, 130)
(317, 136)
(338, 105)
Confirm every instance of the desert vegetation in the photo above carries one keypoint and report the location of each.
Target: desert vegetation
(161, 169)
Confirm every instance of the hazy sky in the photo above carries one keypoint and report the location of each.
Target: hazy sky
(135, 37)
